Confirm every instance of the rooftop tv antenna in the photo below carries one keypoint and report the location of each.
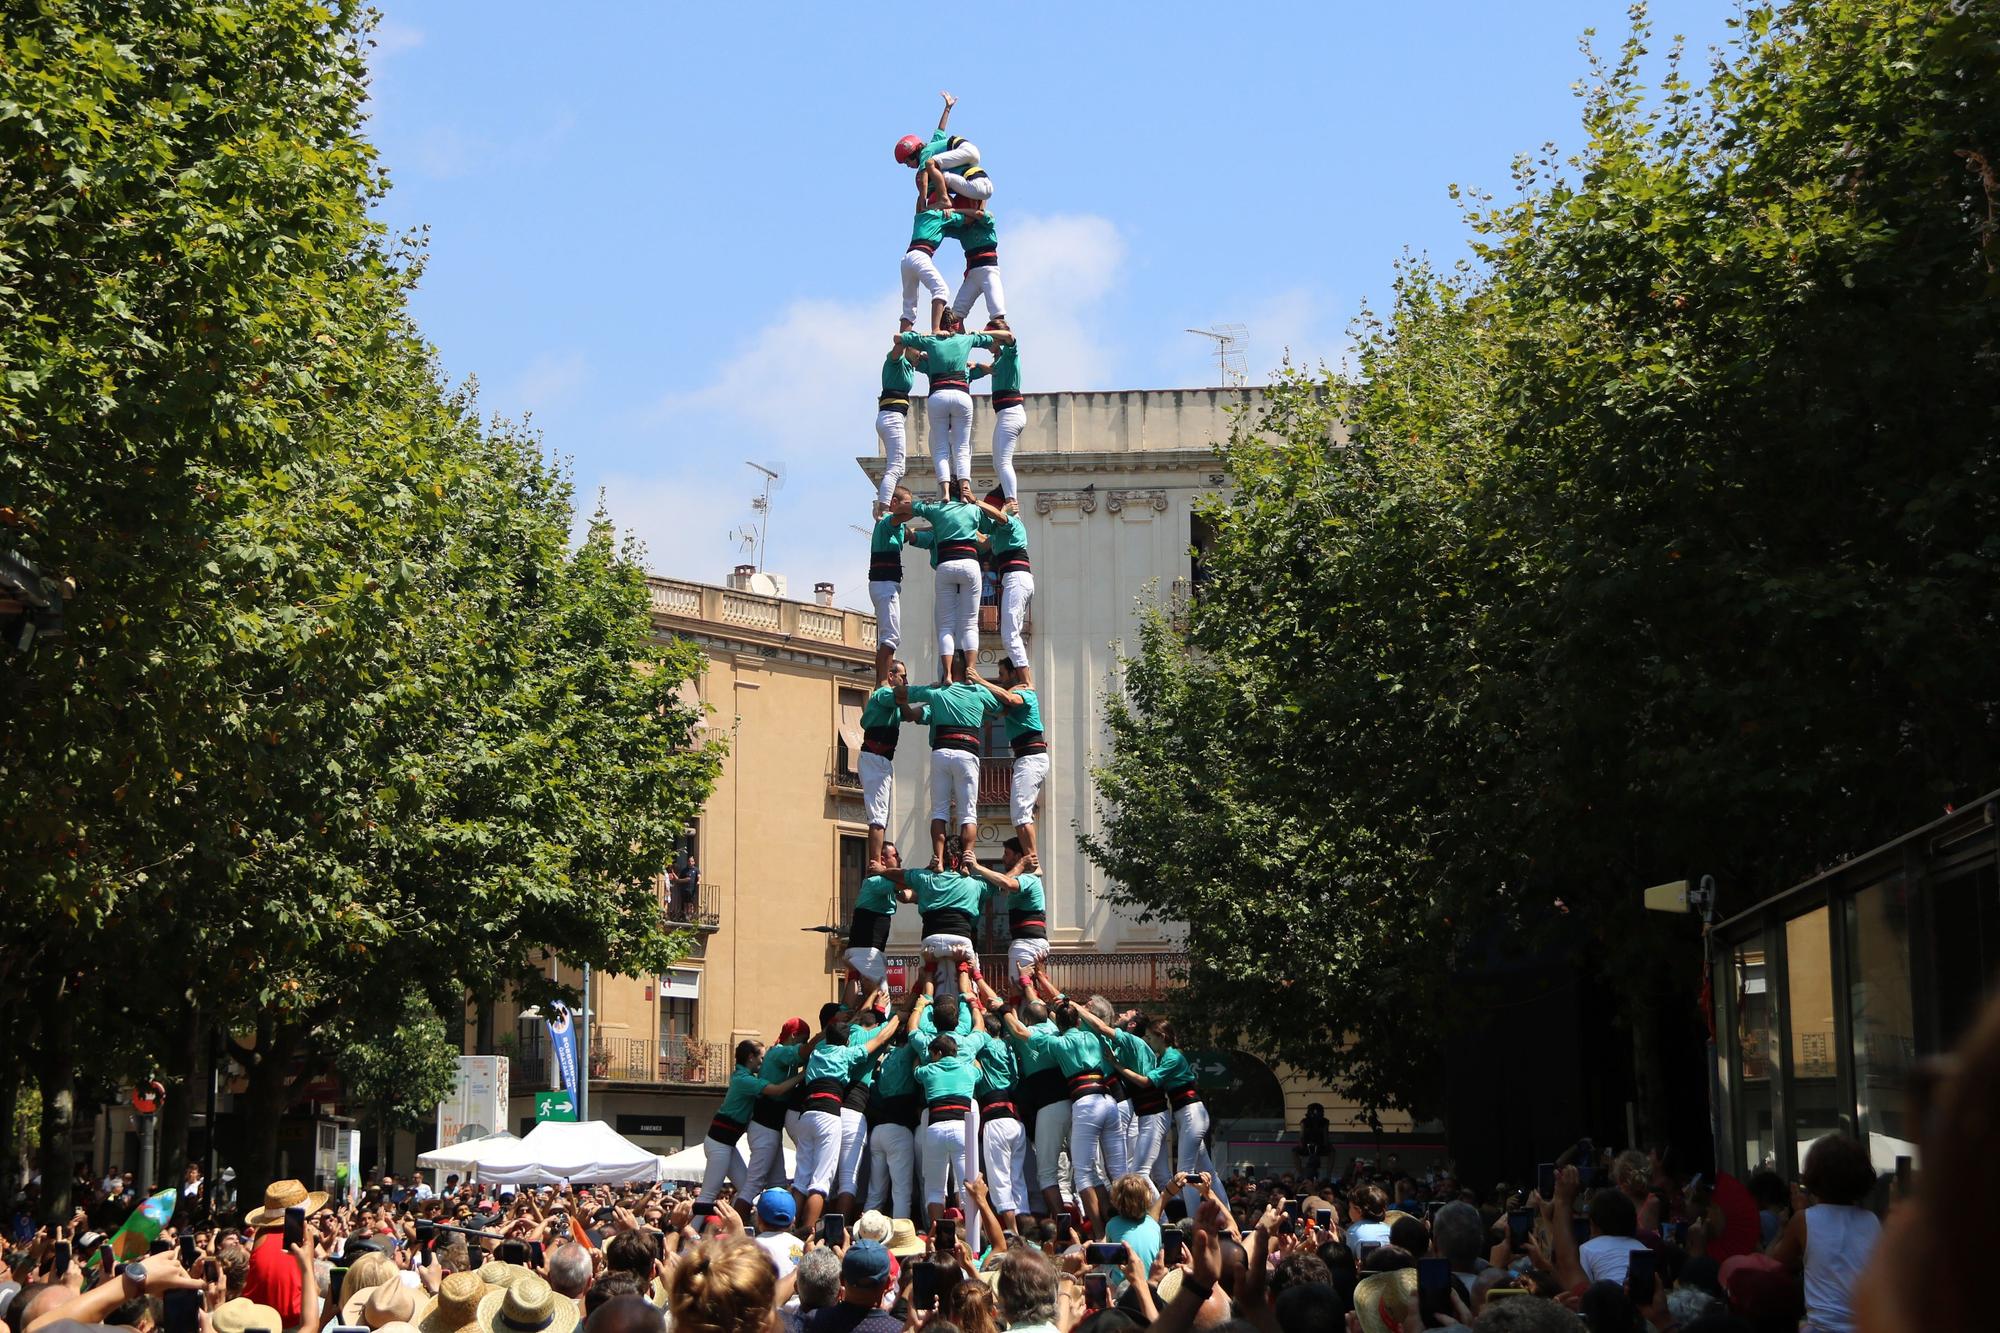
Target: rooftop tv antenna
(1230, 340)
(774, 480)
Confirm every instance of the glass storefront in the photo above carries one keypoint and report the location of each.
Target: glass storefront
(1829, 993)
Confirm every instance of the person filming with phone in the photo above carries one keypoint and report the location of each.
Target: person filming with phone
(285, 1253)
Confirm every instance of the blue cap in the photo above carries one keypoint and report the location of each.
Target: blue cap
(866, 1264)
(777, 1206)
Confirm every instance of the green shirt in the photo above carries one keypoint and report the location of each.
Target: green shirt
(881, 709)
(928, 227)
(1128, 1052)
(841, 1062)
(1023, 717)
(996, 1068)
(877, 895)
(1006, 371)
(951, 521)
(945, 356)
(741, 1099)
(889, 535)
(944, 891)
(894, 1076)
(1032, 1056)
(1077, 1051)
(780, 1063)
(1171, 1072)
(1027, 898)
(898, 375)
(1008, 534)
(952, 1076)
(974, 231)
(960, 704)
(939, 142)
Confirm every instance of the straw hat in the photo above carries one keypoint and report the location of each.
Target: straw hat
(464, 1300)
(904, 1242)
(1386, 1301)
(502, 1274)
(280, 1195)
(531, 1306)
(388, 1303)
(244, 1315)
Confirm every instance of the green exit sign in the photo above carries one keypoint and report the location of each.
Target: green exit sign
(555, 1106)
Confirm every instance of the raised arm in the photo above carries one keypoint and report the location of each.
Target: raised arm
(994, 877)
(949, 103)
(1569, 1263)
(1013, 1022)
(884, 1030)
(1093, 1022)
(1000, 692)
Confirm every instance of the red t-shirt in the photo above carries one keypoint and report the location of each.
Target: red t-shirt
(274, 1278)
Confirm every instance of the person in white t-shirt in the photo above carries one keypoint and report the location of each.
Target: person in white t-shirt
(1366, 1209)
(1613, 1220)
(776, 1211)
(1832, 1239)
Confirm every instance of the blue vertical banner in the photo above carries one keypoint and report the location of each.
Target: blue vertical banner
(562, 1040)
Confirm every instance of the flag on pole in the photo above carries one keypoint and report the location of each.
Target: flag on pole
(562, 1040)
(142, 1228)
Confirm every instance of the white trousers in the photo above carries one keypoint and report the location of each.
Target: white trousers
(870, 964)
(1007, 425)
(887, 595)
(878, 781)
(725, 1161)
(947, 951)
(1096, 1142)
(949, 412)
(1006, 1145)
(1022, 955)
(1128, 1125)
(853, 1147)
(957, 609)
(1017, 588)
(982, 281)
(1051, 1137)
(1191, 1152)
(891, 428)
(819, 1153)
(920, 270)
(1150, 1160)
(947, 1166)
(954, 781)
(1029, 771)
(892, 1165)
(767, 1158)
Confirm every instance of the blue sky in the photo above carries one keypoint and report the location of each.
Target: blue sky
(671, 232)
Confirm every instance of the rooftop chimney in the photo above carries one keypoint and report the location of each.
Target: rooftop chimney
(739, 581)
(823, 593)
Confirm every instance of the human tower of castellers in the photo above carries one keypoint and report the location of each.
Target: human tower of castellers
(958, 1082)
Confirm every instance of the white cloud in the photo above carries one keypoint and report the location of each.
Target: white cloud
(799, 393)
(547, 379)
(393, 38)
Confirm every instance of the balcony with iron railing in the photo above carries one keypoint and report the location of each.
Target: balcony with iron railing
(697, 906)
(996, 780)
(671, 1061)
(842, 775)
(1122, 978)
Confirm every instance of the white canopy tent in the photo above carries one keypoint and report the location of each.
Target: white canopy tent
(691, 1164)
(464, 1157)
(555, 1151)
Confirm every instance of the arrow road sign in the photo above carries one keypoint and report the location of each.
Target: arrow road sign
(554, 1106)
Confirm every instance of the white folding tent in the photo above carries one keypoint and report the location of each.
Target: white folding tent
(464, 1157)
(691, 1164)
(555, 1151)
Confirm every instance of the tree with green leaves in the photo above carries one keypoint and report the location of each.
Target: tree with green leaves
(1655, 541)
(343, 726)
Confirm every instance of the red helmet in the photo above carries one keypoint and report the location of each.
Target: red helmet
(908, 147)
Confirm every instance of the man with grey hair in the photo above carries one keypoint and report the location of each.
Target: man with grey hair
(570, 1271)
(818, 1279)
(1458, 1235)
